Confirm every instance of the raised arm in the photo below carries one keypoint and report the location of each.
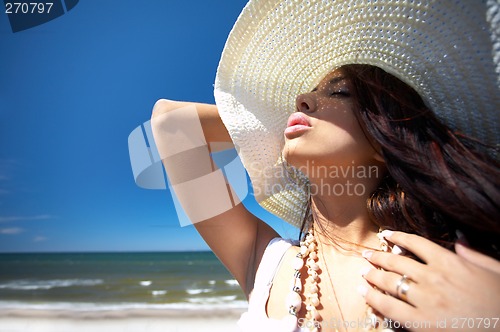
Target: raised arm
(236, 236)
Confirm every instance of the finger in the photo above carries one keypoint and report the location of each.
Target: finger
(389, 306)
(425, 249)
(390, 283)
(395, 263)
(478, 259)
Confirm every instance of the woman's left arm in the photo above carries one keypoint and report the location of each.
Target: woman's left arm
(449, 291)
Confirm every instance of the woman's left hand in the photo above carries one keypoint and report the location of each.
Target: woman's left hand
(449, 291)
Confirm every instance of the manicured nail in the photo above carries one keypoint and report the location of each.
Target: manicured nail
(367, 254)
(362, 289)
(397, 250)
(386, 233)
(364, 271)
(461, 238)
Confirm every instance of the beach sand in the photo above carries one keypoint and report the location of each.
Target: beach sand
(119, 321)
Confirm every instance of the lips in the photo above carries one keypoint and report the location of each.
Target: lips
(298, 119)
(297, 123)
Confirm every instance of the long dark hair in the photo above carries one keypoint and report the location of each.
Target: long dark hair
(438, 181)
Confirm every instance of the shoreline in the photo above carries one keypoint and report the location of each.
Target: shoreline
(224, 313)
(127, 320)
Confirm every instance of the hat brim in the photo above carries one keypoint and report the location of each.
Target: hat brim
(447, 50)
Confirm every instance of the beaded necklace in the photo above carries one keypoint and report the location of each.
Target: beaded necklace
(308, 255)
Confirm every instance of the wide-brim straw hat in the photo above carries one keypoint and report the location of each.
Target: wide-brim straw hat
(447, 50)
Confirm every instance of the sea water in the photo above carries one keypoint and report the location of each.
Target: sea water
(114, 281)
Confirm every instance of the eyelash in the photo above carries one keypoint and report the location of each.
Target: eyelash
(340, 93)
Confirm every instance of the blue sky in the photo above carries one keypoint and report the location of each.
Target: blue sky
(71, 91)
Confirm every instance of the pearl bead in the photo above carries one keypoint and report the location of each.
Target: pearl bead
(308, 256)
(312, 247)
(384, 246)
(313, 274)
(314, 301)
(315, 314)
(310, 262)
(313, 289)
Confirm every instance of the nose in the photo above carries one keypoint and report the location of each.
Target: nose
(305, 103)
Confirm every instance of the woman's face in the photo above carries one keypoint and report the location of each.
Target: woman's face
(324, 131)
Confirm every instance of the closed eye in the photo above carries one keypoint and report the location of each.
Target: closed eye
(340, 93)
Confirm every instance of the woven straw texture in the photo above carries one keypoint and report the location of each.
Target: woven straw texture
(447, 50)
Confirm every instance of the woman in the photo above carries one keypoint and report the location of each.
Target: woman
(398, 134)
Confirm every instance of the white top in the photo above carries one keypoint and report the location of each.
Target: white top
(256, 319)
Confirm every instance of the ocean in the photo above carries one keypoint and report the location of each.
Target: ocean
(117, 281)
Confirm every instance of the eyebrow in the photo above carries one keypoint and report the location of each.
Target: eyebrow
(335, 80)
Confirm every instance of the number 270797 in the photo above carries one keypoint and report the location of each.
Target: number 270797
(28, 7)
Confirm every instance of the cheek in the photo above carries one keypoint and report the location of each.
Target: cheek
(343, 129)
(344, 138)
(346, 123)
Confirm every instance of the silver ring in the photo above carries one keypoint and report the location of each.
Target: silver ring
(403, 287)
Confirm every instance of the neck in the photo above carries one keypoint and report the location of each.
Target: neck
(339, 206)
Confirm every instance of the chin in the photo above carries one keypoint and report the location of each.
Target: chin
(297, 159)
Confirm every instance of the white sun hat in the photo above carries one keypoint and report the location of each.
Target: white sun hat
(447, 50)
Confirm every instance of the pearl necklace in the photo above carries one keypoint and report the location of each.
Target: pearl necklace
(308, 255)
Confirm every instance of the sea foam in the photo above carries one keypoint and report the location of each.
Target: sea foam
(49, 284)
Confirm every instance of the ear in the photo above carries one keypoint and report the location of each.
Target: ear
(377, 152)
(378, 157)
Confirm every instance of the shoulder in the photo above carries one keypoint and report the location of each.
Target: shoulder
(282, 279)
(279, 250)
(273, 257)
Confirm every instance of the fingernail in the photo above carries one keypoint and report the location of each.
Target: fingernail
(386, 233)
(362, 289)
(367, 254)
(461, 238)
(397, 250)
(364, 271)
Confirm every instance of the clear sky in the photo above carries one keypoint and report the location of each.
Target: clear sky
(71, 91)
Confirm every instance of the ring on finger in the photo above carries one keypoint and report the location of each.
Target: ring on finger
(403, 287)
